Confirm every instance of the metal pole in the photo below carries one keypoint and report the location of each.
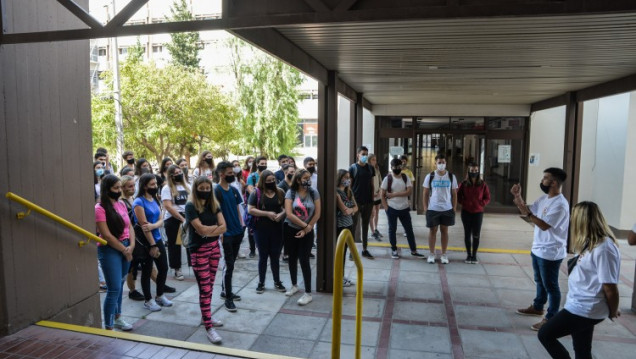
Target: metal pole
(119, 120)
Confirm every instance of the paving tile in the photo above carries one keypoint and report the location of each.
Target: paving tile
(321, 303)
(418, 266)
(374, 274)
(409, 354)
(419, 291)
(512, 298)
(484, 344)
(504, 270)
(323, 350)
(183, 313)
(473, 295)
(371, 307)
(296, 326)
(498, 258)
(419, 277)
(467, 280)
(231, 339)
(283, 346)
(166, 330)
(369, 337)
(482, 316)
(246, 320)
(271, 300)
(464, 268)
(423, 312)
(410, 337)
(370, 287)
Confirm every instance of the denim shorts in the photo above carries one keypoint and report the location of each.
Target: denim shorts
(436, 218)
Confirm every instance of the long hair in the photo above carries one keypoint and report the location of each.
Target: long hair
(113, 220)
(256, 161)
(299, 174)
(588, 226)
(341, 174)
(163, 167)
(201, 165)
(246, 165)
(467, 180)
(143, 182)
(261, 185)
(376, 167)
(95, 174)
(211, 204)
(138, 165)
(172, 184)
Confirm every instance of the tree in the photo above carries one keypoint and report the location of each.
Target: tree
(184, 48)
(267, 91)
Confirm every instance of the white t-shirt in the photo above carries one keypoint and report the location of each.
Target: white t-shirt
(441, 197)
(551, 244)
(314, 181)
(585, 286)
(398, 185)
(206, 172)
(178, 202)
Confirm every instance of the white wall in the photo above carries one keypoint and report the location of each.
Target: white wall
(547, 136)
(628, 209)
(368, 130)
(343, 146)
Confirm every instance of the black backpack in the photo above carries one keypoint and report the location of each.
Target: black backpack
(430, 179)
(390, 181)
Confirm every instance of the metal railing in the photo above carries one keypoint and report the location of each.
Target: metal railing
(345, 238)
(32, 206)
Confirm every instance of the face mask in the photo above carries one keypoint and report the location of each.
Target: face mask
(237, 169)
(261, 168)
(230, 179)
(306, 184)
(544, 188)
(396, 171)
(153, 191)
(130, 161)
(206, 195)
(311, 170)
(290, 176)
(270, 185)
(184, 169)
(99, 172)
(114, 195)
(250, 164)
(473, 175)
(346, 183)
(178, 178)
(145, 170)
(208, 161)
(364, 159)
(441, 166)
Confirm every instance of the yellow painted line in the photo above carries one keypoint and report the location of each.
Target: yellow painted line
(458, 249)
(208, 348)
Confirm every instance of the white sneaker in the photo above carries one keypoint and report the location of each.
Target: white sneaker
(305, 299)
(213, 336)
(178, 275)
(122, 325)
(216, 322)
(444, 259)
(242, 255)
(346, 282)
(293, 290)
(431, 259)
(163, 301)
(395, 255)
(152, 306)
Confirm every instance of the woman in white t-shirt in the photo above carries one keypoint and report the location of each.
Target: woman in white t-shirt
(174, 196)
(592, 286)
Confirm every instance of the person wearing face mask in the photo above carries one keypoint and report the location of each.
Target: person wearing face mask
(163, 169)
(148, 219)
(282, 160)
(346, 208)
(439, 203)
(289, 170)
(362, 185)
(473, 195)
(266, 204)
(205, 167)
(174, 197)
(98, 173)
(248, 167)
(129, 159)
(183, 164)
(113, 225)
(102, 156)
(260, 165)
(377, 201)
(550, 215)
(310, 165)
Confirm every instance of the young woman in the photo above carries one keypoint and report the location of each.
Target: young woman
(289, 170)
(206, 222)
(259, 165)
(174, 196)
(267, 203)
(302, 207)
(163, 169)
(148, 220)
(473, 194)
(205, 167)
(592, 286)
(98, 173)
(114, 226)
(347, 207)
(183, 164)
(247, 167)
(141, 167)
(375, 211)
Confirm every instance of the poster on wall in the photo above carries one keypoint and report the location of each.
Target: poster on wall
(396, 150)
(503, 155)
(534, 159)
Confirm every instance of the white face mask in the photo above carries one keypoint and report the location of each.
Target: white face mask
(441, 166)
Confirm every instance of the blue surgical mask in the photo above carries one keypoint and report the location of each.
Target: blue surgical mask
(364, 159)
(99, 172)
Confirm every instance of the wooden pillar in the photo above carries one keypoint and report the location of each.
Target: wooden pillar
(358, 122)
(572, 148)
(328, 133)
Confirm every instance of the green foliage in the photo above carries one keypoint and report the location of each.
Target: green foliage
(184, 47)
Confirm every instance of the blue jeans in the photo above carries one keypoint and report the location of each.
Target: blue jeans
(115, 269)
(405, 218)
(546, 277)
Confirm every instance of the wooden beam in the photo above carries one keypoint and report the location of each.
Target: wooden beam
(345, 5)
(345, 90)
(359, 123)
(610, 88)
(366, 104)
(555, 101)
(80, 13)
(317, 5)
(126, 13)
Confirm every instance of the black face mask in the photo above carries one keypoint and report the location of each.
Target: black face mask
(152, 191)
(270, 186)
(473, 175)
(206, 195)
(230, 179)
(178, 178)
(311, 170)
(130, 161)
(261, 168)
(114, 195)
(306, 184)
(145, 170)
(290, 176)
(396, 171)
(544, 188)
(208, 161)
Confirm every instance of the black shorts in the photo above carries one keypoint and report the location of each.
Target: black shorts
(377, 202)
(444, 218)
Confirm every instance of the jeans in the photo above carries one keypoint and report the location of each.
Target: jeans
(472, 229)
(362, 218)
(565, 323)
(299, 250)
(231, 246)
(115, 268)
(269, 240)
(162, 271)
(174, 250)
(404, 215)
(546, 277)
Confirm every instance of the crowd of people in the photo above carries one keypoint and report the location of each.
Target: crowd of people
(142, 214)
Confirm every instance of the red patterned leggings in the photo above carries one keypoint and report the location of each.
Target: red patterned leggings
(205, 262)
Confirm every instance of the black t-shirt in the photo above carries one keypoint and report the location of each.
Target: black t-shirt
(284, 186)
(206, 217)
(269, 205)
(362, 182)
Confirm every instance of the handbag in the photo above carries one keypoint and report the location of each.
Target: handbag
(183, 235)
(572, 262)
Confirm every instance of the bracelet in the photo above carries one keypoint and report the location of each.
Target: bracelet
(153, 245)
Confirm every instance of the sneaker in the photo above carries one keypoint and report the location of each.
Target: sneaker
(168, 289)
(242, 255)
(538, 326)
(469, 259)
(152, 306)
(216, 322)
(135, 295)
(404, 234)
(367, 254)
(103, 288)
(378, 234)
(395, 255)
(213, 336)
(293, 290)
(431, 259)
(346, 282)
(280, 287)
(236, 298)
(163, 301)
(417, 254)
(229, 306)
(252, 254)
(350, 257)
(305, 299)
(122, 325)
(286, 259)
(311, 255)
(530, 311)
(474, 260)
(178, 275)
(260, 288)
(444, 259)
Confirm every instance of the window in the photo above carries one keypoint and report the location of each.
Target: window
(102, 51)
(123, 50)
(157, 48)
(311, 141)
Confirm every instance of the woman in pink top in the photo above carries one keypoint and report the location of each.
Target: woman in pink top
(113, 225)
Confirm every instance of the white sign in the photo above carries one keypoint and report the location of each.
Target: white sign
(396, 150)
(534, 159)
(504, 154)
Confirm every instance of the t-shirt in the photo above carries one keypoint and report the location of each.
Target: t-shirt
(280, 175)
(314, 181)
(269, 205)
(178, 202)
(551, 244)
(303, 207)
(344, 220)
(398, 185)
(585, 286)
(362, 181)
(120, 207)
(284, 186)
(152, 212)
(252, 179)
(206, 172)
(441, 192)
(229, 201)
(206, 217)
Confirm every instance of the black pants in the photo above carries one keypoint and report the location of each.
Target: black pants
(269, 240)
(299, 250)
(362, 218)
(171, 226)
(565, 323)
(250, 238)
(231, 246)
(162, 271)
(472, 229)
(344, 256)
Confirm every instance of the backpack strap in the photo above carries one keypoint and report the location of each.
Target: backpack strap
(389, 179)
(430, 179)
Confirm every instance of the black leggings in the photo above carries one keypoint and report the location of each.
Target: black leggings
(565, 323)
(171, 226)
(472, 228)
(269, 239)
(299, 250)
(162, 272)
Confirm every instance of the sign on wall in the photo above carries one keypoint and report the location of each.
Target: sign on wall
(503, 154)
(396, 150)
(534, 159)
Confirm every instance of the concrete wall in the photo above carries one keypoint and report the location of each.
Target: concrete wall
(547, 136)
(368, 130)
(45, 149)
(344, 131)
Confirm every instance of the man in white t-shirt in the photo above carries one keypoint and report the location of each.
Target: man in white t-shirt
(440, 201)
(395, 190)
(550, 215)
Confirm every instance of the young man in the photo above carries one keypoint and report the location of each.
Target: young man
(395, 190)
(108, 166)
(310, 165)
(550, 215)
(439, 203)
(129, 158)
(405, 167)
(282, 161)
(229, 198)
(362, 185)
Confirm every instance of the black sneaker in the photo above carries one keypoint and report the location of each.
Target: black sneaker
(365, 253)
(235, 297)
(286, 259)
(229, 306)
(168, 289)
(378, 234)
(135, 295)
(469, 259)
(252, 254)
(417, 254)
(474, 260)
(260, 288)
(280, 287)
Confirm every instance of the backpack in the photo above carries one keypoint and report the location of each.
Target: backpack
(249, 220)
(430, 179)
(390, 181)
(183, 235)
(219, 196)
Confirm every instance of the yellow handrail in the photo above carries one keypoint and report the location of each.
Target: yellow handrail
(338, 272)
(32, 206)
